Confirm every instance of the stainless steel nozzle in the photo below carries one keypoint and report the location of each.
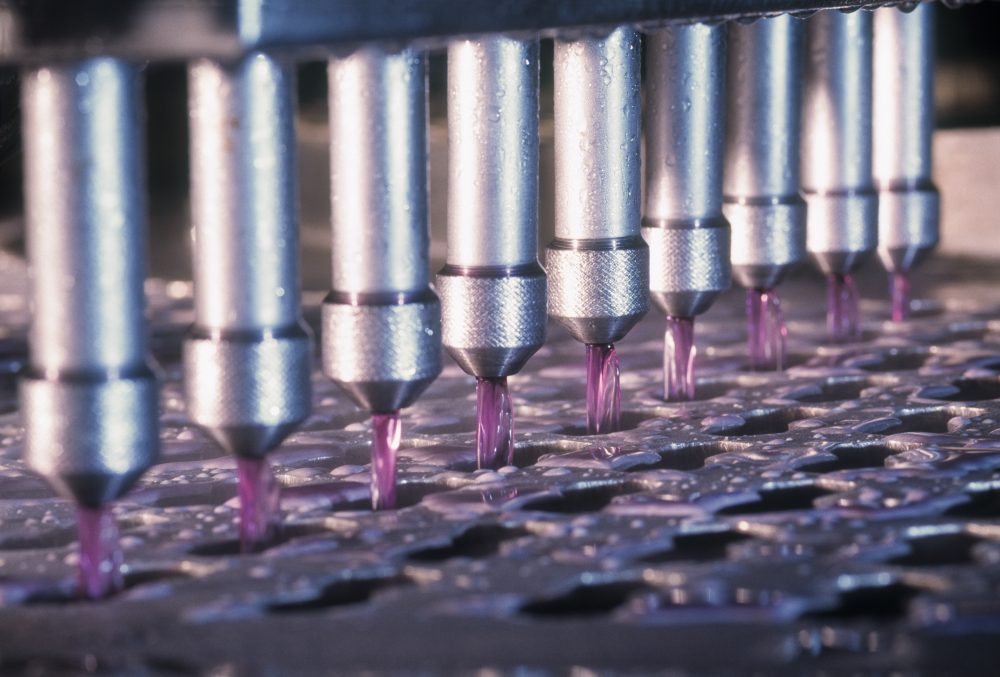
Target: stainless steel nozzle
(381, 323)
(762, 201)
(247, 359)
(687, 234)
(492, 289)
(903, 127)
(598, 264)
(837, 141)
(89, 397)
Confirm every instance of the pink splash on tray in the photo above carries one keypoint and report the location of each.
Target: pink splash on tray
(899, 293)
(678, 359)
(494, 423)
(604, 393)
(842, 318)
(100, 564)
(386, 433)
(766, 330)
(260, 503)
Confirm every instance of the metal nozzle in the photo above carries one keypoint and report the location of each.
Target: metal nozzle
(492, 288)
(909, 205)
(381, 323)
(762, 201)
(837, 141)
(89, 398)
(247, 359)
(683, 225)
(598, 265)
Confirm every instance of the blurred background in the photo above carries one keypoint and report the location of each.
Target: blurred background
(967, 146)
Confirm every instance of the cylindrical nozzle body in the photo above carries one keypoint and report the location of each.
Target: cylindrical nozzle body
(688, 237)
(492, 288)
(598, 264)
(89, 397)
(903, 114)
(837, 141)
(762, 201)
(381, 322)
(247, 359)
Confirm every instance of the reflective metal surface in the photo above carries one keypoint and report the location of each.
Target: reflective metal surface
(837, 141)
(492, 288)
(89, 394)
(903, 126)
(840, 516)
(598, 265)
(247, 360)
(762, 201)
(381, 323)
(688, 237)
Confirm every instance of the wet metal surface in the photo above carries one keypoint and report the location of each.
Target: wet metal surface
(844, 514)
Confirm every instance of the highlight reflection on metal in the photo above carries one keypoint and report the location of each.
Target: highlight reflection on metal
(247, 359)
(762, 201)
(598, 265)
(381, 323)
(89, 397)
(903, 124)
(492, 288)
(837, 141)
(687, 234)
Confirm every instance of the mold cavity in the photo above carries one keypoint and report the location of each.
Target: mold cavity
(972, 390)
(791, 360)
(769, 423)
(134, 579)
(584, 600)
(851, 457)
(831, 391)
(231, 547)
(482, 540)
(938, 550)
(202, 493)
(883, 602)
(703, 547)
(527, 456)
(933, 421)
(682, 458)
(630, 420)
(339, 593)
(40, 540)
(574, 501)
(982, 503)
(784, 499)
(896, 360)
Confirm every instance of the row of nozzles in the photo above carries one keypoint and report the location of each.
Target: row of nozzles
(89, 396)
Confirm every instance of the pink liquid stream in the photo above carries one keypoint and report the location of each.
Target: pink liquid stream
(260, 503)
(494, 423)
(386, 434)
(99, 572)
(604, 393)
(766, 330)
(678, 359)
(842, 317)
(899, 293)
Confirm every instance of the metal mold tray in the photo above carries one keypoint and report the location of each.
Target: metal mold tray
(844, 515)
